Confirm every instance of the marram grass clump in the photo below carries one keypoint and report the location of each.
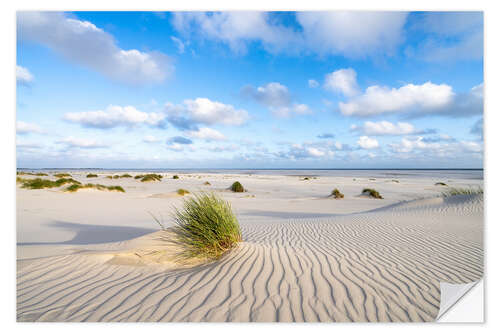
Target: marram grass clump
(62, 175)
(175, 177)
(206, 227)
(182, 191)
(39, 183)
(237, 187)
(76, 187)
(372, 193)
(92, 175)
(440, 184)
(207, 183)
(462, 191)
(337, 194)
(39, 174)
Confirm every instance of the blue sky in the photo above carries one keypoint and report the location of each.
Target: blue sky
(250, 90)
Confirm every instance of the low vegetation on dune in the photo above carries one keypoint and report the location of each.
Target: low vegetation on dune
(125, 175)
(237, 187)
(175, 177)
(207, 183)
(76, 187)
(39, 183)
(149, 177)
(109, 177)
(205, 227)
(182, 191)
(116, 176)
(24, 173)
(441, 184)
(337, 194)
(462, 191)
(92, 175)
(395, 181)
(371, 193)
(62, 175)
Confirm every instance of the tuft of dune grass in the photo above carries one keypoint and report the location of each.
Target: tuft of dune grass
(39, 183)
(237, 187)
(24, 173)
(462, 191)
(62, 175)
(76, 187)
(125, 175)
(372, 193)
(205, 227)
(337, 194)
(441, 184)
(175, 177)
(207, 183)
(91, 175)
(182, 191)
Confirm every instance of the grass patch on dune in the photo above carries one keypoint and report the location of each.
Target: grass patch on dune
(371, 193)
(337, 194)
(24, 173)
(175, 177)
(462, 191)
(205, 227)
(150, 177)
(62, 175)
(182, 191)
(441, 184)
(39, 183)
(125, 175)
(237, 187)
(76, 187)
(207, 183)
(92, 175)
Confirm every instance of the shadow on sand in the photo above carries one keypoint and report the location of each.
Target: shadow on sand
(94, 234)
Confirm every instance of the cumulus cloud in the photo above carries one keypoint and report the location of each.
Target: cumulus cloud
(342, 81)
(450, 36)
(450, 148)
(276, 97)
(85, 44)
(81, 143)
(191, 113)
(115, 116)
(367, 142)
(26, 128)
(207, 134)
(353, 34)
(300, 151)
(323, 33)
(388, 128)
(236, 29)
(313, 83)
(23, 76)
(415, 100)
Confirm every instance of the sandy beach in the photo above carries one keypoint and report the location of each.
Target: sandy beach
(305, 257)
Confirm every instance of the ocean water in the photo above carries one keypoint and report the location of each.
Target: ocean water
(477, 174)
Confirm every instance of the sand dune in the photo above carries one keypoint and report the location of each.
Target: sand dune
(382, 265)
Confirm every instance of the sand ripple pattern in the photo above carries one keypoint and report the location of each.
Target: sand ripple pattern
(383, 265)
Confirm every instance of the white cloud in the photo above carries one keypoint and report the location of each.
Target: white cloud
(23, 75)
(353, 34)
(150, 139)
(277, 98)
(385, 128)
(450, 36)
(115, 116)
(313, 83)
(25, 128)
(447, 148)
(207, 134)
(331, 32)
(236, 29)
(425, 98)
(204, 111)
(477, 128)
(367, 143)
(343, 81)
(85, 44)
(81, 143)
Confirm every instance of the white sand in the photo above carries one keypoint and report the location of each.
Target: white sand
(96, 256)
